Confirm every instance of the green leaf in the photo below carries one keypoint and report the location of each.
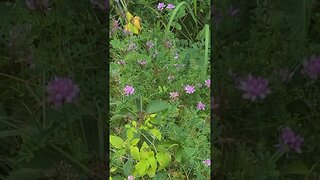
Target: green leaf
(26, 173)
(296, 167)
(134, 142)
(156, 133)
(164, 159)
(116, 141)
(129, 134)
(127, 167)
(142, 167)
(134, 151)
(179, 155)
(153, 162)
(9, 133)
(113, 169)
(157, 105)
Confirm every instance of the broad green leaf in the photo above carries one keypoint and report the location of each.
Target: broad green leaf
(153, 115)
(134, 151)
(121, 152)
(157, 105)
(164, 159)
(127, 167)
(296, 167)
(179, 155)
(113, 169)
(151, 172)
(153, 162)
(134, 142)
(142, 167)
(156, 133)
(26, 173)
(116, 141)
(129, 134)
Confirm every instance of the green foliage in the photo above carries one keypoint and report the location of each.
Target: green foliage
(36, 46)
(173, 143)
(263, 38)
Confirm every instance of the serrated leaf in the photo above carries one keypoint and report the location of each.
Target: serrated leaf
(116, 142)
(134, 151)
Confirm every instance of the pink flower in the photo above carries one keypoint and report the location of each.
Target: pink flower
(142, 62)
(161, 6)
(170, 6)
(128, 90)
(174, 95)
(201, 106)
(121, 62)
(207, 162)
(130, 177)
(207, 82)
(189, 89)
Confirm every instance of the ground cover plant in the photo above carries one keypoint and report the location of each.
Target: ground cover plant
(266, 86)
(52, 89)
(159, 90)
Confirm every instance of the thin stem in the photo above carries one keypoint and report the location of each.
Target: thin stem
(149, 141)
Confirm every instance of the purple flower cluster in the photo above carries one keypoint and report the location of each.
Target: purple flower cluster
(62, 90)
(128, 90)
(201, 106)
(289, 139)
(312, 67)
(142, 62)
(174, 95)
(189, 89)
(207, 83)
(149, 44)
(102, 6)
(233, 11)
(132, 46)
(37, 5)
(115, 26)
(254, 87)
(161, 6)
(207, 162)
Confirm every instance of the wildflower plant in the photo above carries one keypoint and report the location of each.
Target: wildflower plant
(265, 90)
(163, 111)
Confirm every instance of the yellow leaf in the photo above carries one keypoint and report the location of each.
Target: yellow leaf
(136, 21)
(129, 16)
(133, 23)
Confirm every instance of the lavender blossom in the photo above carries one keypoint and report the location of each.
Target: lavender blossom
(312, 67)
(233, 11)
(290, 140)
(254, 87)
(62, 90)
(149, 44)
